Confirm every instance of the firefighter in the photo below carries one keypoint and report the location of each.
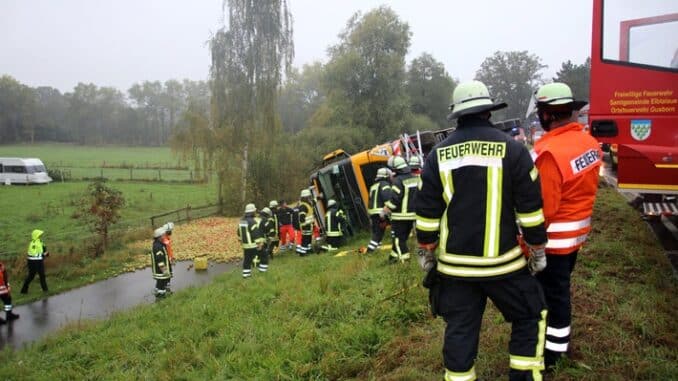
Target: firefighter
(275, 239)
(6, 296)
(380, 191)
(475, 185)
(335, 223)
(568, 159)
(167, 241)
(287, 234)
(251, 238)
(160, 262)
(400, 206)
(267, 227)
(37, 252)
(305, 222)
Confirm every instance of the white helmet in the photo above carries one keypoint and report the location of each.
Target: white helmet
(472, 97)
(266, 211)
(305, 193)
(415, 162)
(273, 204)
(383, 173)
(250, 208)
(159, 232)
(557, 93)
(169, 226)
(331, 203)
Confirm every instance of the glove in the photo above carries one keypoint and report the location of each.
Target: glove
(536, 262)
(383, 213)
(45, 254)
(426, 256)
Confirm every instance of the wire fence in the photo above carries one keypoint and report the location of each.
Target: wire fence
(70, 173)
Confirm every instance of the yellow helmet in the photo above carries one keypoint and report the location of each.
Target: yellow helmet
(472, 97)
(557, 93)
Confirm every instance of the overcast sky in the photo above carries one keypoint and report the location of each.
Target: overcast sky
(117, 43)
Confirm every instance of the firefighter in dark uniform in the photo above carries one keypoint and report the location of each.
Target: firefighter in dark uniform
(380, 191)
(267, 226)
(335, 223)
(400, 206)
(160, 262)
(475, 185)
(275, 240)
(305, 222)
(251, 239)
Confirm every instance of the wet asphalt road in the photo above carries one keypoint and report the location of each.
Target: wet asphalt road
(96, 301)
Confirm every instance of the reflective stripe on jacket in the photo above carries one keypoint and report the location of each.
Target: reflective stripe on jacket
(379, 192)
(474, 186)
(568, 160)
(403, 194)
(249, 232)
(333, 223)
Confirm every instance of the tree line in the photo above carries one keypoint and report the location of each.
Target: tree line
(262, 125)
(89, 114)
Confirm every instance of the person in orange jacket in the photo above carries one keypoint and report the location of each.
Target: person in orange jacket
(6, 296)
(567, 159)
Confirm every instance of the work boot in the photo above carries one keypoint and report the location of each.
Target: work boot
(11, 316)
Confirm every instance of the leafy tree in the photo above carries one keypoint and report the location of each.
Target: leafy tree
(17, 111)
(301, 96)
(511, 77)
(248, 58)
(101, 209)
(578, 77)
(430, 88)
(366, 74)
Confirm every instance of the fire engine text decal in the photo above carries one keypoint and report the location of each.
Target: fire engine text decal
(584, 161)
(643, 102)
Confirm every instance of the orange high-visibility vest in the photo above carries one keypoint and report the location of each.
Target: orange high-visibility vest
(568, 160)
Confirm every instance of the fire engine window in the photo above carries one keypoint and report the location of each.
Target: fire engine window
(642, 32)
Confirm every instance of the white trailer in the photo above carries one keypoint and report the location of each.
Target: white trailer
(15, 170)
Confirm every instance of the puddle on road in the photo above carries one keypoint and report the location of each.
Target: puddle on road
(97, 301)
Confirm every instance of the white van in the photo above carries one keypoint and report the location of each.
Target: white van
(14, 170)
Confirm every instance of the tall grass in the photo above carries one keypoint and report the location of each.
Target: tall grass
(357, 318)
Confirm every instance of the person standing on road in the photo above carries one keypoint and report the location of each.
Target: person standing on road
(475, 185)
(568, 159)
(380, 191)
(400, 206)
(6, 296)
(37, 252)
(160, 262)
(251, 239)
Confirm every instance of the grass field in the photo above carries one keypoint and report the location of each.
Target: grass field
(356, 318)
(69, 155)
(53, 208)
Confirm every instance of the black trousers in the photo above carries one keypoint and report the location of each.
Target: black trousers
(7, 301)
(249, 255)
(519, 298)
(401, 232)
(161, 285)
(35, 267)
(555, 280)
(378, 228)
(305, 247)
(332, 243)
